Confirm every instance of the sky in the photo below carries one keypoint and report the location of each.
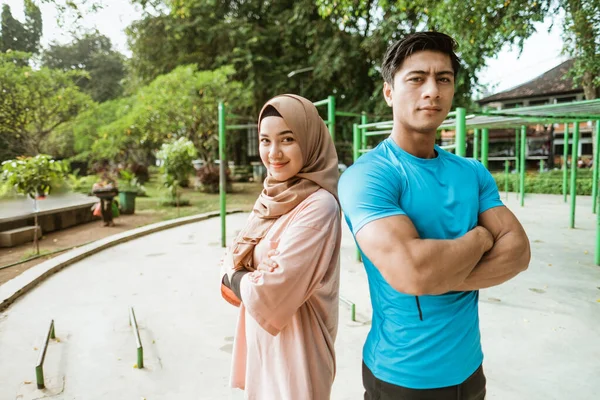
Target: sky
(541, 52)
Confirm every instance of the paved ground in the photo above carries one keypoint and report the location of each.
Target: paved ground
(540, 331)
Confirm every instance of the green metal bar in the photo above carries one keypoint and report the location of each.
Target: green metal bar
(565, 166)
(39, 368)
(138, 341)
(596, 168)
(347, 114)
(597, 255)
(541, 166)
(476, 143)
(222, 174)
(239, 127)
(321, 102)
(574, 156)
(379, 125)
(377, 133)
(461, 132)
(485, 141)
(331, 116)
(523, 148)
(363, 132)
(506, 171)
(355, 142)
(517, 152)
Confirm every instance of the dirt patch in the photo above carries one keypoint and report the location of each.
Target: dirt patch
(64, 240)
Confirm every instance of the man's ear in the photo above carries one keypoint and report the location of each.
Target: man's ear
(387, 93)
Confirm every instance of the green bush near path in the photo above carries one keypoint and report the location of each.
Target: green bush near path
(550, 182)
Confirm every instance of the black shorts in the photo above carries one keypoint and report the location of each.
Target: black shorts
(471, 389)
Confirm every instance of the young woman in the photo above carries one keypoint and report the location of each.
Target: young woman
(283, 267)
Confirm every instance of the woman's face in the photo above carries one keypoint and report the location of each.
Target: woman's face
(279, 150)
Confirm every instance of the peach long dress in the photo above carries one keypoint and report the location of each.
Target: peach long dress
(284, 342)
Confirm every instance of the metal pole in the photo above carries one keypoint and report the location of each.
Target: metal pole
(138, 341)
(355, 142)
(39, 368)
(541, 166)
(517, 152)
(476, 144)
(522, 163)
(565, 159)
(363, 131)
(596, 168)
(574, 156)
(222, 173)
(506, 170)
(358, 143)
(485, 139)
(461, 132)
(597, 255)
(331, 116)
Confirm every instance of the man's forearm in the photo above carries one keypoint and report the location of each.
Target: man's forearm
(440, 265)
(509, 257)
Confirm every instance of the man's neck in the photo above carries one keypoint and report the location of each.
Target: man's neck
(418, 144)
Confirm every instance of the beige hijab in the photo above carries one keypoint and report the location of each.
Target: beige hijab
(320, 170)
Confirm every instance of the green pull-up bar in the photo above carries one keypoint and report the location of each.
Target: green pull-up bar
(574, 156)
(565, 159)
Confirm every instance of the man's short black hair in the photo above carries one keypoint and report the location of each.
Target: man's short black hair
(415, 42)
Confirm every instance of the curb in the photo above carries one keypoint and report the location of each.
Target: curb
(17, 287)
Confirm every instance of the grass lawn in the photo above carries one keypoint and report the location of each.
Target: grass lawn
(243, 196)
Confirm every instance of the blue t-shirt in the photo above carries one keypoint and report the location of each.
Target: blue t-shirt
(427, 341)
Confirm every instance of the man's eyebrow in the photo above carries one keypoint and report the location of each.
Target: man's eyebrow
(420, 72)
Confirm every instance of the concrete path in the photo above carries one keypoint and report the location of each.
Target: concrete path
(541, 331)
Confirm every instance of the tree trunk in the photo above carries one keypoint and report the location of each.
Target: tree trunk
(589, 90)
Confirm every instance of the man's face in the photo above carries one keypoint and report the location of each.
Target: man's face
(423, 90)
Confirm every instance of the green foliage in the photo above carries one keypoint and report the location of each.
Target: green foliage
(128, 182)
(182, 103)
(581, 36)
(264, 42)
(33, 176)
(177, 157)
(17, 36)
(81, 184)
(93, 54)
(35, 102)
(546, 183)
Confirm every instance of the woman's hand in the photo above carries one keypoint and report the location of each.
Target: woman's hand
(268, 264)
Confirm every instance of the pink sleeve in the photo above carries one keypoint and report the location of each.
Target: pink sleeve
(305, 256)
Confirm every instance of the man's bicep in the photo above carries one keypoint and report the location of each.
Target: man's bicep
(500, 221)
(379, 238)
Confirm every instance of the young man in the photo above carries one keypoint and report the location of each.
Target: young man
(432, 232)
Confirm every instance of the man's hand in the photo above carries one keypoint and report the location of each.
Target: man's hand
(486, 238)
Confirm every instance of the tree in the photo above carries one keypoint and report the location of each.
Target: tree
(93, 54)
(481, 27)
(35, 102)
(181, 104)
(263, 41)
(33, 177)
(177, 157)
(17, 36)
(582, 41)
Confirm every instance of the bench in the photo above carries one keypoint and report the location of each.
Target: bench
(15, 237)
